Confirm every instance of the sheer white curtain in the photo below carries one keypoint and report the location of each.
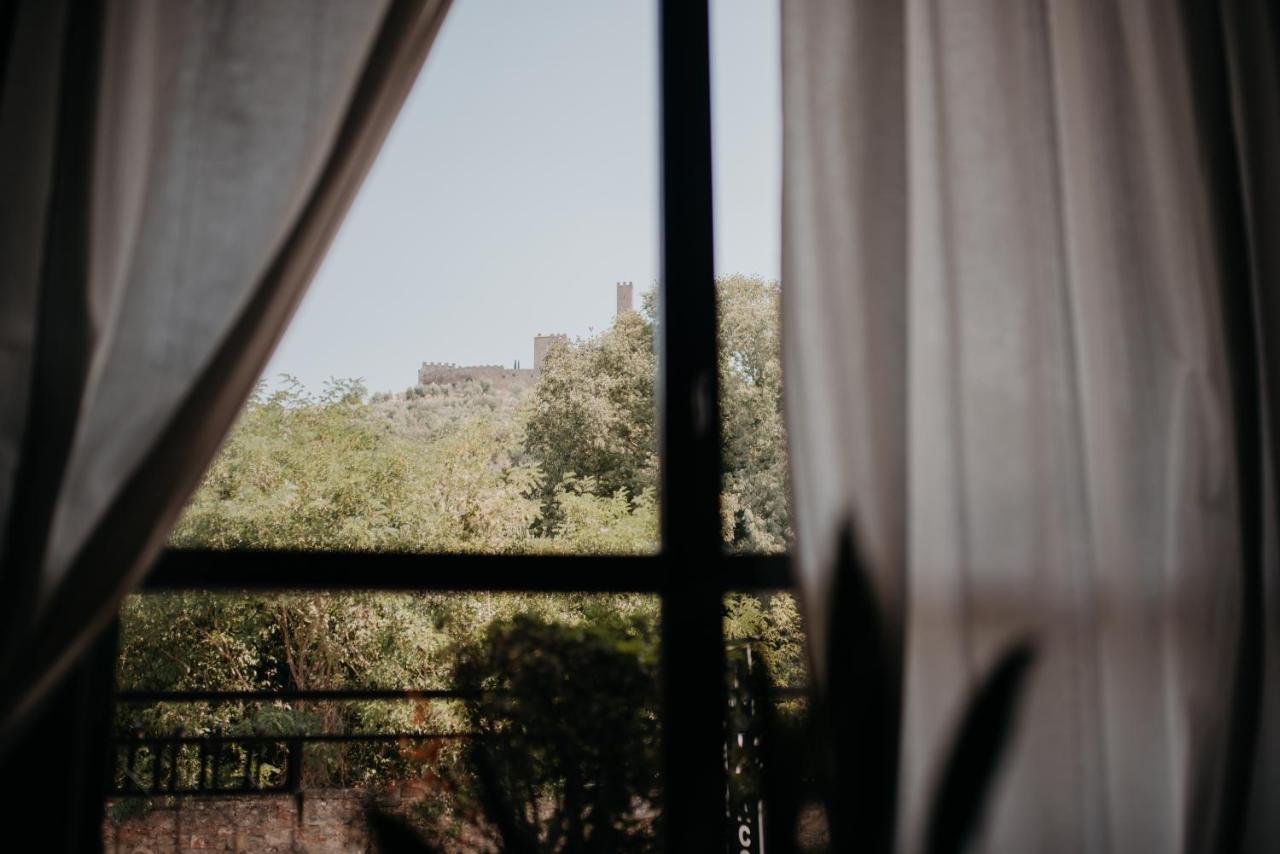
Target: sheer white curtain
(172, 174)
(1010, 332)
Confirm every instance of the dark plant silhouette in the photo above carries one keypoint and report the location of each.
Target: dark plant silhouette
(858, 712)
(558, 768)
(565, 753)
(566, 758)
(856, 732)
(393, 835)
(978, 746)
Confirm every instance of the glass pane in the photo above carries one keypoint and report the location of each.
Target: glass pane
(746, 116)
(482, 713)
(772, 770)
(472, 369)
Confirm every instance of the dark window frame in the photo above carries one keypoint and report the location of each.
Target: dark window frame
(692, 571)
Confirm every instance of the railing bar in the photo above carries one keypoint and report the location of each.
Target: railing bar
(292, 695)
(293, 764)
(138, 697)
(130, 763)
(283, 739)
(217, 758)
(175, 753)
(204, 761)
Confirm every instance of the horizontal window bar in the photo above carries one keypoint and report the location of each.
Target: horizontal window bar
(191, 569)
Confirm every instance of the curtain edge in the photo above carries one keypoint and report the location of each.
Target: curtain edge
(133, 528)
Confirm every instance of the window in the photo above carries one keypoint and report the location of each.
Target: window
(679, 583)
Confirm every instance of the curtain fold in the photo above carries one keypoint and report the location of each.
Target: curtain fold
(173, 174)
(1252, 38)
(1013, 355)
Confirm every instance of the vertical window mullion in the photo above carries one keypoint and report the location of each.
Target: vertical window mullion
(692, 643)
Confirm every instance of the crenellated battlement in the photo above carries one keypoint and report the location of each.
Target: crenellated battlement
(444, 373)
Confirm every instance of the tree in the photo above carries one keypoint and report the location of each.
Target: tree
(567, 757)
(592, 413)
(440, 471)
(570, 466)
(754, 500)
(335, 472)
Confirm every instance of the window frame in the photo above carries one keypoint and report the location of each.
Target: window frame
(692, 571)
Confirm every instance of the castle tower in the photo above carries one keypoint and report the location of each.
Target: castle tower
(624, 298)
(542, 345)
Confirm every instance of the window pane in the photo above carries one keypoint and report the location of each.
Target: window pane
(472, 369)
(746, 116)
(535, 710)
(769, 738)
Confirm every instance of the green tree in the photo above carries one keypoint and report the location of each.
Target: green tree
(754, 500)
(569, 466)
(440, 471)
(568, 717)
(334, 472)
(592, 411)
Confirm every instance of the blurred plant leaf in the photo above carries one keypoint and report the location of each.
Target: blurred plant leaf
(393, 835)
(974, 758)
(862, 704)
(517, 837)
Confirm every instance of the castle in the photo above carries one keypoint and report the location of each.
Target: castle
(515, 376)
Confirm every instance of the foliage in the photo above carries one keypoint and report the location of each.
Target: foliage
(569, 466)
(334, 472)
(567, 750)
(772, 623)
(754, 502)
(593, 413)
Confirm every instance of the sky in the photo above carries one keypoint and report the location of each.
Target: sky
(520, 182)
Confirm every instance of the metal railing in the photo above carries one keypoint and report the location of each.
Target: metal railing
(183, 765)
(220, 763)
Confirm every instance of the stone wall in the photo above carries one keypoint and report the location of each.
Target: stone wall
(542, 345)
(444, 374)
(332, 823)
(625, 292)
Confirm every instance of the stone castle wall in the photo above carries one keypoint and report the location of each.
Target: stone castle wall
(444, 373)
(542, 345)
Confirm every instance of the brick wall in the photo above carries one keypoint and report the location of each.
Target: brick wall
(332, 823)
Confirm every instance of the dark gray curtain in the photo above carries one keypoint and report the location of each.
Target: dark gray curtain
(1031, 342)
(171, 175)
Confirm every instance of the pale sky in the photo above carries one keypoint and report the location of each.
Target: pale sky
(520, 182)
